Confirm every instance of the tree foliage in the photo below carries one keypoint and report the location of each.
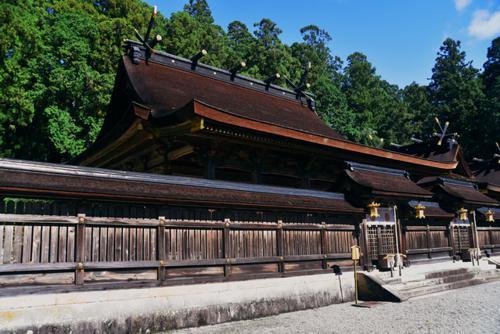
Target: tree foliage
(58, 61)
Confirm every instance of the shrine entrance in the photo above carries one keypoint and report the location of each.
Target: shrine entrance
(461, 235)
(381, 239)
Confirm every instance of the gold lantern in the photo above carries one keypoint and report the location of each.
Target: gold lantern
(373, 210)
(489, 216)
(419, 211)
(462, 214)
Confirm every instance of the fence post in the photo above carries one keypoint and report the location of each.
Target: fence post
(225, 248)
(279, 246)
(490, 238)
(324, 263)
(428, 235)
(80, 250)
(161, 249)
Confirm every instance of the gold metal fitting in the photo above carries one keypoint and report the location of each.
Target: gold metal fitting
(489, 216)
(462, 214)
(419, 211)
(373, 206)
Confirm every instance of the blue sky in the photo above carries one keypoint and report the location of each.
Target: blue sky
(400, 38)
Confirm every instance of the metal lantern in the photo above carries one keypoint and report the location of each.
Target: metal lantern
(489, 216)
(462, 214)
(374, 210)
(420, 211)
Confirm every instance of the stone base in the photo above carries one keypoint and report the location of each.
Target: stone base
(166, 308)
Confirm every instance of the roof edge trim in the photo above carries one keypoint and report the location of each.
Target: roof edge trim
(218, 115)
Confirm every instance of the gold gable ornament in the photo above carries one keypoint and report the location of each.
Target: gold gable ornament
(373, 210)
(420, 211)
(489, 216)
(462, 214)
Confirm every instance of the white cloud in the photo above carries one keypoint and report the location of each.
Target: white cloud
(485, 24)
(461, 4)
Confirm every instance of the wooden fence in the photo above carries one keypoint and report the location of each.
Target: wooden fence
(422, 243)
(489, 239)
(82, 249)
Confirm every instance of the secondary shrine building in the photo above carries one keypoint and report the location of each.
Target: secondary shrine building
(203, 174)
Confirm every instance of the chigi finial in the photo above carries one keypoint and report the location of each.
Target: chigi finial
(272, 78)
(241, 65)
(149, 44)
(197, 57)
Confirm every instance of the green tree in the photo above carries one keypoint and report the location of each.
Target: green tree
(188, 32)
(325, 78)
(491, 81)
(20, 45)
(270, 54)
(417, 101)
(57, 70)
(200, 10)
(456, 96)
(242, 45)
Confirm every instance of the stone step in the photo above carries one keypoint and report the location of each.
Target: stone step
(392, 280)
(443, 273)
(415, 284)
(490, 275)
(440, 288)
(494, 262)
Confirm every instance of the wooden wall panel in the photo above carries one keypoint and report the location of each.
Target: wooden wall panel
(339, 241)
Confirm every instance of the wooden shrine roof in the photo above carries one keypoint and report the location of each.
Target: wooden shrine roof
(55, 180)
(496, 212)
(385, 182)
(432, 209)
(487, 173)
(448, 151)
(166, 89)
(464, 192)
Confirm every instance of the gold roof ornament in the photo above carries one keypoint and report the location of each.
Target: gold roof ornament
(462, 214)
(420, 211)
(373, 206)
(489, 216)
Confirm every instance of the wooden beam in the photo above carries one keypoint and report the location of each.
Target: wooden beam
(180, 152)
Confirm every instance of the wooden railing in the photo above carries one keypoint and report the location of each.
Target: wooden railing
(489, 239)
(426, 242)
(91, 249)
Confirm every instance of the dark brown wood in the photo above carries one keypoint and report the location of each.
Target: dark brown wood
(225, 251)
(279, 246)
(161, 249)
(323, 245)
(428, 237)
(80, 250)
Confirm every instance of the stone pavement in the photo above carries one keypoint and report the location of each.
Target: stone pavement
(470, 310)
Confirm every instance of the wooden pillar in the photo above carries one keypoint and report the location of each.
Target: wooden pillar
(490, 237)
(428, 237)
(210, 167)
(279, 246)
(161, 249)
(324, 263)
(257, 171)
(451, 241)
(225, 248)
(402, 240)
(366, 251)
(80, 250)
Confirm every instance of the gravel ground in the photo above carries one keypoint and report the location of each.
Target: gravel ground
(470, 310)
